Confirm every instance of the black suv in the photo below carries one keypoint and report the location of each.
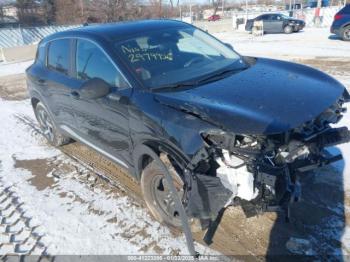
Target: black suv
(341, 23)
(276, 23)
(163, 98)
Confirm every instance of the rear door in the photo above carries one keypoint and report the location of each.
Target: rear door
(103, 122)
(266, 23)
(56, 81)
(276, 23)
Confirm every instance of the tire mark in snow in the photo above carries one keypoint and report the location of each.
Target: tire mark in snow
(18, 234)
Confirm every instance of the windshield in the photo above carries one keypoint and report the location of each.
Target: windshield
(176, 55)
(286, 17)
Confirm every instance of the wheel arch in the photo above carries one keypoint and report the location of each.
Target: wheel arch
(345, 25)
(147, 151)
(34, 101)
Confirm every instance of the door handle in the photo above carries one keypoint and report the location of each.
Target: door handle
(75, 95)
(114, 96)
(41, 81)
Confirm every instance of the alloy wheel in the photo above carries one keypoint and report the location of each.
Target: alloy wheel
(163, 197)
(346, 34)
(46, 124)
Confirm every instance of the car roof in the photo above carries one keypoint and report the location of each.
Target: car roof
(119, 30)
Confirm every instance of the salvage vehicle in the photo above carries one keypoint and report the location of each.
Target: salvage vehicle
(229, 129)
(341, 23)
(276, 23)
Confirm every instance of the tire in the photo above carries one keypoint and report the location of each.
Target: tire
(345, 33)
(287, 29)
(157, 195)
(48, 127)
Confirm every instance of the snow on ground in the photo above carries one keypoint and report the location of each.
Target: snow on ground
(14, 68)
(71, 217)
(309, 43)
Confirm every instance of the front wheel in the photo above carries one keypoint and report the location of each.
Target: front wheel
(48, 128)
(158, 196)
(345, 33)
(288, 29)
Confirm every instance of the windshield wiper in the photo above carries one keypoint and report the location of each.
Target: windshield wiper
(174, 86)
(211, 78)
(219, 75)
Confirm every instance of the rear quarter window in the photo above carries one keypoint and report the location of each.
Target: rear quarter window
(58, 56)
(40, 54)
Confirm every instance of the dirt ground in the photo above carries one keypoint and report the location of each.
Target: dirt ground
(12, 87)
(266, 234)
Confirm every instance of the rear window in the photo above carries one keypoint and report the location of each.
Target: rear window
(58, 56)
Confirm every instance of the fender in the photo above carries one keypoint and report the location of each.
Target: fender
(142, 150)
(345, 25)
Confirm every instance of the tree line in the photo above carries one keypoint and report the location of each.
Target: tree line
(61, 12)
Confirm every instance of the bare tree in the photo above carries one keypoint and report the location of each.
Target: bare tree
(68, 12)
(115, 10)
(29, 12)
(1, 13)
(49, 9)
(215, 4)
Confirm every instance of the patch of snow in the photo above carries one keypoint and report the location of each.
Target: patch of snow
(309, 43)
(14, 68)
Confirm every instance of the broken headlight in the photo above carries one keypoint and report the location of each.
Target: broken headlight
(239, 144)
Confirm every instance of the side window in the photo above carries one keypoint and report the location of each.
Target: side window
(58, 56)
(264, 17)
(92, 62)
(271, 17)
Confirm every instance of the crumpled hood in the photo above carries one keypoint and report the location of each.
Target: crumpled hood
(270, 97)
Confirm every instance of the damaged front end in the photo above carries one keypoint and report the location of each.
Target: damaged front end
(259, 172)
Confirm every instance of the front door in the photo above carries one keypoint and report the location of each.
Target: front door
(103, 122)
(56, 81)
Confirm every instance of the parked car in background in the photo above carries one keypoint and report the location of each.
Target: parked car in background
(341, 23)
(214, 18)
(276, 23)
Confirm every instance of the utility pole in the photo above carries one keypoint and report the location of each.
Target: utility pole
(191, 11)
(180, 10)
(160, 9)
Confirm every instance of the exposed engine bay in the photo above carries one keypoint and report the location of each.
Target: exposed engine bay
(260, 173)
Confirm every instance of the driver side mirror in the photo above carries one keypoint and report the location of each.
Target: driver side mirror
(94, 88)
(229, 46)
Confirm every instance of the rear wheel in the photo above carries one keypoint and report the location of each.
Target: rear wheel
(48, 128)
(288, 29)
(345, 33)
(157, 194)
